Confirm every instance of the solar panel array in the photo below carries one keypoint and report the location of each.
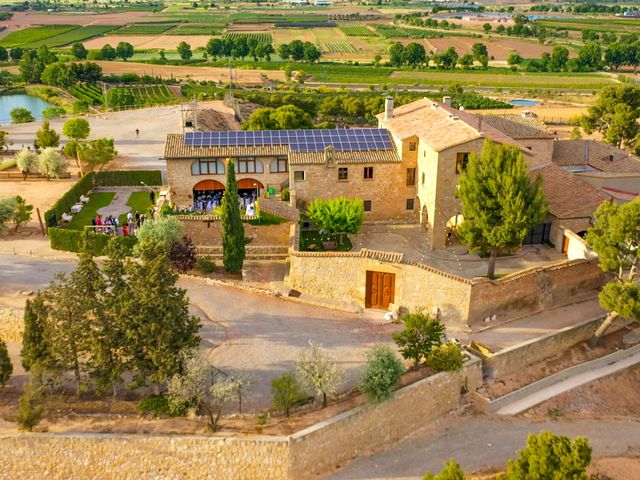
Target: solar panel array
(345, 140)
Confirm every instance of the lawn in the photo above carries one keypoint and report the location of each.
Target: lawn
(267, 219)
(139, 202)
(312, 237)
(89, 211)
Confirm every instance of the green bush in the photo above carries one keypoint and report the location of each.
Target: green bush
(128, 177)
(71, 240)
(381, 373)
(159, 405)
(64, 203)
(205, 264)
(420, 334)
(286, 392)
(451, 471)
(285, 194)
(445, 358)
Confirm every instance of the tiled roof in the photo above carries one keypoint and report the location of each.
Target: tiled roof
(366, 156)
(175, 149)
(518, 126)
(568, 153)
(568, 195)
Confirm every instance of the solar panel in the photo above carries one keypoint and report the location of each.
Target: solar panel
(299, 140)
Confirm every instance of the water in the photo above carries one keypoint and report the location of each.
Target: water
(33, 104)
(523, 103)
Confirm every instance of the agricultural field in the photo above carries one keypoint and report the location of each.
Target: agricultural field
(392, 31)
(499, 48)
(358, 31)
(196, 29)
(616, 25)
(259, 37)
(77, 35)
(250, 17)
(145, 95)
(212, 19)
(145, 29)
(88, 92)
(339, 47)
(166, 42)
(31, 35)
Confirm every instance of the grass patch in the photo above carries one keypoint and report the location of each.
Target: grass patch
(139, 202)
(90, 210)
(7, 163)
(32, 35)
(77, 35)
(312, 237)
(267, 218)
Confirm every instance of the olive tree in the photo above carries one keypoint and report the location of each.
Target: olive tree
(318, 372)
(27, 161)
(52, 164)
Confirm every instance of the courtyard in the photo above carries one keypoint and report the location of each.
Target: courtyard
(411, 241)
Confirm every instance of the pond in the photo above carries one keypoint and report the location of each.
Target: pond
(33, 104)
(523, 103)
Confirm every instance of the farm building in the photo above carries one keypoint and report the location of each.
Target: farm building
(407, 168)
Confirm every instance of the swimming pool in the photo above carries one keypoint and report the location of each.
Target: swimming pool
(523, 103)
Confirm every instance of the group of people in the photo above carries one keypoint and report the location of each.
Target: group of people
(208, 202)
(111, 224)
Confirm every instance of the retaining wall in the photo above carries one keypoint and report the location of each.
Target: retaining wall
(514, 359)
(255, 457)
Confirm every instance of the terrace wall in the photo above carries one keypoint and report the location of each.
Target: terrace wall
(208, 233)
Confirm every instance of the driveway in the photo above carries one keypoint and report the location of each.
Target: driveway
(241, 331)
(483, 442)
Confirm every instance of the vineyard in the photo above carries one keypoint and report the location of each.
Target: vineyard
(145, 29)
(139, 96)
(259, 37)
(90, 93)
(304, 24)
(339, 47)
(28, 36)
(76, 35)
(357, 31)
(248, 17)
(196, 29)
(392, 31)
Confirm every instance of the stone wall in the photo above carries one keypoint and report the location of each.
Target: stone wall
(514, 359)
(252, 457)
(342, 438)
(210, 233)
(533, 290)
(134, 457)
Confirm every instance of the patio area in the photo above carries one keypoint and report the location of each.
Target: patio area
(411, 240)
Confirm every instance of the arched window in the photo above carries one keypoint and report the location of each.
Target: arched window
(207, 167)
(249, 165)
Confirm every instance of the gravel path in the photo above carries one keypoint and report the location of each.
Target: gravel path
(118, 205)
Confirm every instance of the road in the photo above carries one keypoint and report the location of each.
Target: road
(483, 442)
(260, 334)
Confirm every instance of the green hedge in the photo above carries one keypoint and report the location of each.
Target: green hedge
(64, 204)
(119, 178)
(71, 240)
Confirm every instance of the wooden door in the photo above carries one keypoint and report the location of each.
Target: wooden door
(380, 290)
(565, 244)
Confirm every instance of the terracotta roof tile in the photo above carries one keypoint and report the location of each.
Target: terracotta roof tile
(568, 195)
(517, 126)
(598, 155)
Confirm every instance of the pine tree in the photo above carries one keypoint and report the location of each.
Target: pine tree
(233, 240)
(500, 204)
(158, 325)
(6, 369)
(35, 349)
(46, 137)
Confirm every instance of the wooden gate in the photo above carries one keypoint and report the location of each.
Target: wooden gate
(381, 288)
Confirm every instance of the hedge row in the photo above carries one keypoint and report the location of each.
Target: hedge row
(119, 178)
(64, 203)
(71, 241)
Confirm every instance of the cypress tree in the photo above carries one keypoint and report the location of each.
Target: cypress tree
(233, 240)
(34, 343)
(6, 369)
(500, 204)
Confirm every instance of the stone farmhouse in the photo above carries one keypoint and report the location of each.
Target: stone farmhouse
(407, 168)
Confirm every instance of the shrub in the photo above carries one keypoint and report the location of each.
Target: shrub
(445, 358)
(381, 374)
(22, 213)
(117, 178)
(7, 210)
(286, 392)
(159, 405)
(71, 241)
(27, 161)
(205, 264)
(285, 195)
(451, 471)
(420, 334)
(163, 232)
(21, 115)
(51, 164)
(183, 255)
(30, 404)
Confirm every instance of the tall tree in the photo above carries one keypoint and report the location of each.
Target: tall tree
(46, 137)
(616, 239)
(79, 51)
(233, 239)
(96, 153)
(6, 368)
(124, 50)
(35, 348)
(337, 216)
(500, 204)
(184, 50)
(158, 323)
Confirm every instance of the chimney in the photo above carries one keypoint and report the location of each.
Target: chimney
(388, 108)
(446, 100)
